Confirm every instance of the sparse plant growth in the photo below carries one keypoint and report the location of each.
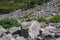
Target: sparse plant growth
(29, 19)
(7, 6)
(55, 19)
(8, 23)
(42, 20)
(27, 16)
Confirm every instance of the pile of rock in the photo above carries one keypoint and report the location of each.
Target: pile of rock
(32, 31)
(44, 10)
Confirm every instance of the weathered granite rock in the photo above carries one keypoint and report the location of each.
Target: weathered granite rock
(34, 29)
(25, 25)
(57, 33)
(0, 38)
(7, 37)
(29, 38)
(13, 39)
(43, 25)
(20, 38)
(50, 28)
(57, 38)
(58, 25)
(48, 31)
(13, 29)
(45, 32)
(2, 30)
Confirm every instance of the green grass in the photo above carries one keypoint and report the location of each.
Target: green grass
(42, 20)
(27, 16)
(55, 19)
(8, 23)
(12, 5)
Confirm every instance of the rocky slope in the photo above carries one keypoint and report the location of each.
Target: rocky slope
(30, 29)
(46, 10)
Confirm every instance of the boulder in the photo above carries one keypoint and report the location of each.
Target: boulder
(1, 39)
(13, 39)
(25, 25)
(34, 29)
(7, 37)
(13, 29)
(43, 24)
(50, 28)
(29, 38)
(2, 30)
(57, 38)
(57, 33)
(45, 32)
(48, 31)
(20, 38)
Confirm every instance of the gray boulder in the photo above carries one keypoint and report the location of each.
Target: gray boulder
(8, 37)
(13, 29)
(25, 25)
(20, 38)
(34, 29)
(2, 30)
(0, 38)
(57, 38)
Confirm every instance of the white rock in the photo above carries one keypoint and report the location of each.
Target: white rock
(34, 29)
(25, 25)
(2, 30)
(7, 37)
(58, 39)
(42, 10)
(50, 28)
(1, 39)
(44, 31)
(20, 38)
(13, 29)
(54, 14)
(13, 39)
